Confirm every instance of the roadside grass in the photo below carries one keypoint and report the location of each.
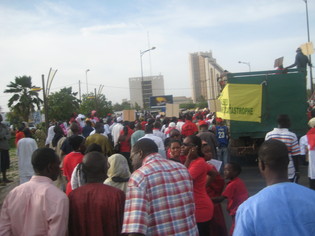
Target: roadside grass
(12, 172)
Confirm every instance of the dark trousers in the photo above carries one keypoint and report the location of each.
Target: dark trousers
(312, 183)
(204, 228)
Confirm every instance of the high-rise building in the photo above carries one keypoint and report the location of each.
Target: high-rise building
(143, 90)
(204, 76)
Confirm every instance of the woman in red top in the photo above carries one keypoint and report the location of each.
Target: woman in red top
(19, 135)
(214, 189)
(125, 144)
(199, 169)
(71, 160)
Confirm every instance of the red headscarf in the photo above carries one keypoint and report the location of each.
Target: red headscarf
(311, 138)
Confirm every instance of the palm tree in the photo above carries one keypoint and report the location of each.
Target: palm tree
(25, 97)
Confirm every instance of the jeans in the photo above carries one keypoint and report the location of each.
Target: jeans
(223, 155)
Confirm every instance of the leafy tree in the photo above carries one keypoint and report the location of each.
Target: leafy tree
(24, 100)
(122, 106)
(14, 118)
(187, 106)
(62, 104)
(201, 102)
(137, 107)
(98, 103)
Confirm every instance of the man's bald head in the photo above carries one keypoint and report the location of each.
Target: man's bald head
(95, 167)
(274, 154)
(140, 150)
(147, 146)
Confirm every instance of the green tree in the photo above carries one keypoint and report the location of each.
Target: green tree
(62, 104)
(201, 103)
(14, 118)
(122, 106)
(187, 106)
(98, 103)
(24, 100)
(137, 107)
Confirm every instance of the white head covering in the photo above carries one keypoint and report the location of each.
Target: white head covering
(118, 169)
(311, 123)
(80, 119)
(172, 125)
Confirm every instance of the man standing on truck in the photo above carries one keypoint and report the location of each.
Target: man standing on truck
(283, 134)
(300, 61)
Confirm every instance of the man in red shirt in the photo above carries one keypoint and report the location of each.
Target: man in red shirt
(189, 128)
(96, 208)
(235, 192)
(72, 159)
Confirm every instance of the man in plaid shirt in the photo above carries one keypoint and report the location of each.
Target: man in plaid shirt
(159, 198)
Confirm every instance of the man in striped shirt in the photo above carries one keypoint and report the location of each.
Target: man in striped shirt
(159, 199)
(283, 134)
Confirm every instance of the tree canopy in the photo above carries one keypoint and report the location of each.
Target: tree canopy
(98, 103)
(122, 106)
(24, 99)
(62, 104)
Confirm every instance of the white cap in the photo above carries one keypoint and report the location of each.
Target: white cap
(172, 125)
(81, 116)
(119, 119)
(311, 123)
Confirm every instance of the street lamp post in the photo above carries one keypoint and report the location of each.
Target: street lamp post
(142, 81)
(45, 104)
(309, 40)
(246, 63)
(86, 79)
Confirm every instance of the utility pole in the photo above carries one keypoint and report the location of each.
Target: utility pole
(309, 40)
(45, 104)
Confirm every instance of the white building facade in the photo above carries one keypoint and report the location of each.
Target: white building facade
(204, 76)
(142, 90)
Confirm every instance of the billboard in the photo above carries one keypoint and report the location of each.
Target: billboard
(160, 101)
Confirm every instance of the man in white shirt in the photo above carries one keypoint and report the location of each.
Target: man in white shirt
(180, 123)
(156, 130)
(158, 141)
(283, 134)
(50, 135)
(116, 130)
(25, 148)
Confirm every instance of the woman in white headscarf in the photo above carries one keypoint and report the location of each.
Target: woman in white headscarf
(118, 172)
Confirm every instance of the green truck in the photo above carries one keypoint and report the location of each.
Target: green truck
(283, 93)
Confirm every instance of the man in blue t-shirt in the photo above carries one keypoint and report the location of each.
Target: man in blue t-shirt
(222, 133)
(282, 208)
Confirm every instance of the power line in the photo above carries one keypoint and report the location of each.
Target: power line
(138, 88)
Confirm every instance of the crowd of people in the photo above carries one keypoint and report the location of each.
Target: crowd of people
(154, 176)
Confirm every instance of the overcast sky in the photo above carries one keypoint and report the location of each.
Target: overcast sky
(107, 36)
